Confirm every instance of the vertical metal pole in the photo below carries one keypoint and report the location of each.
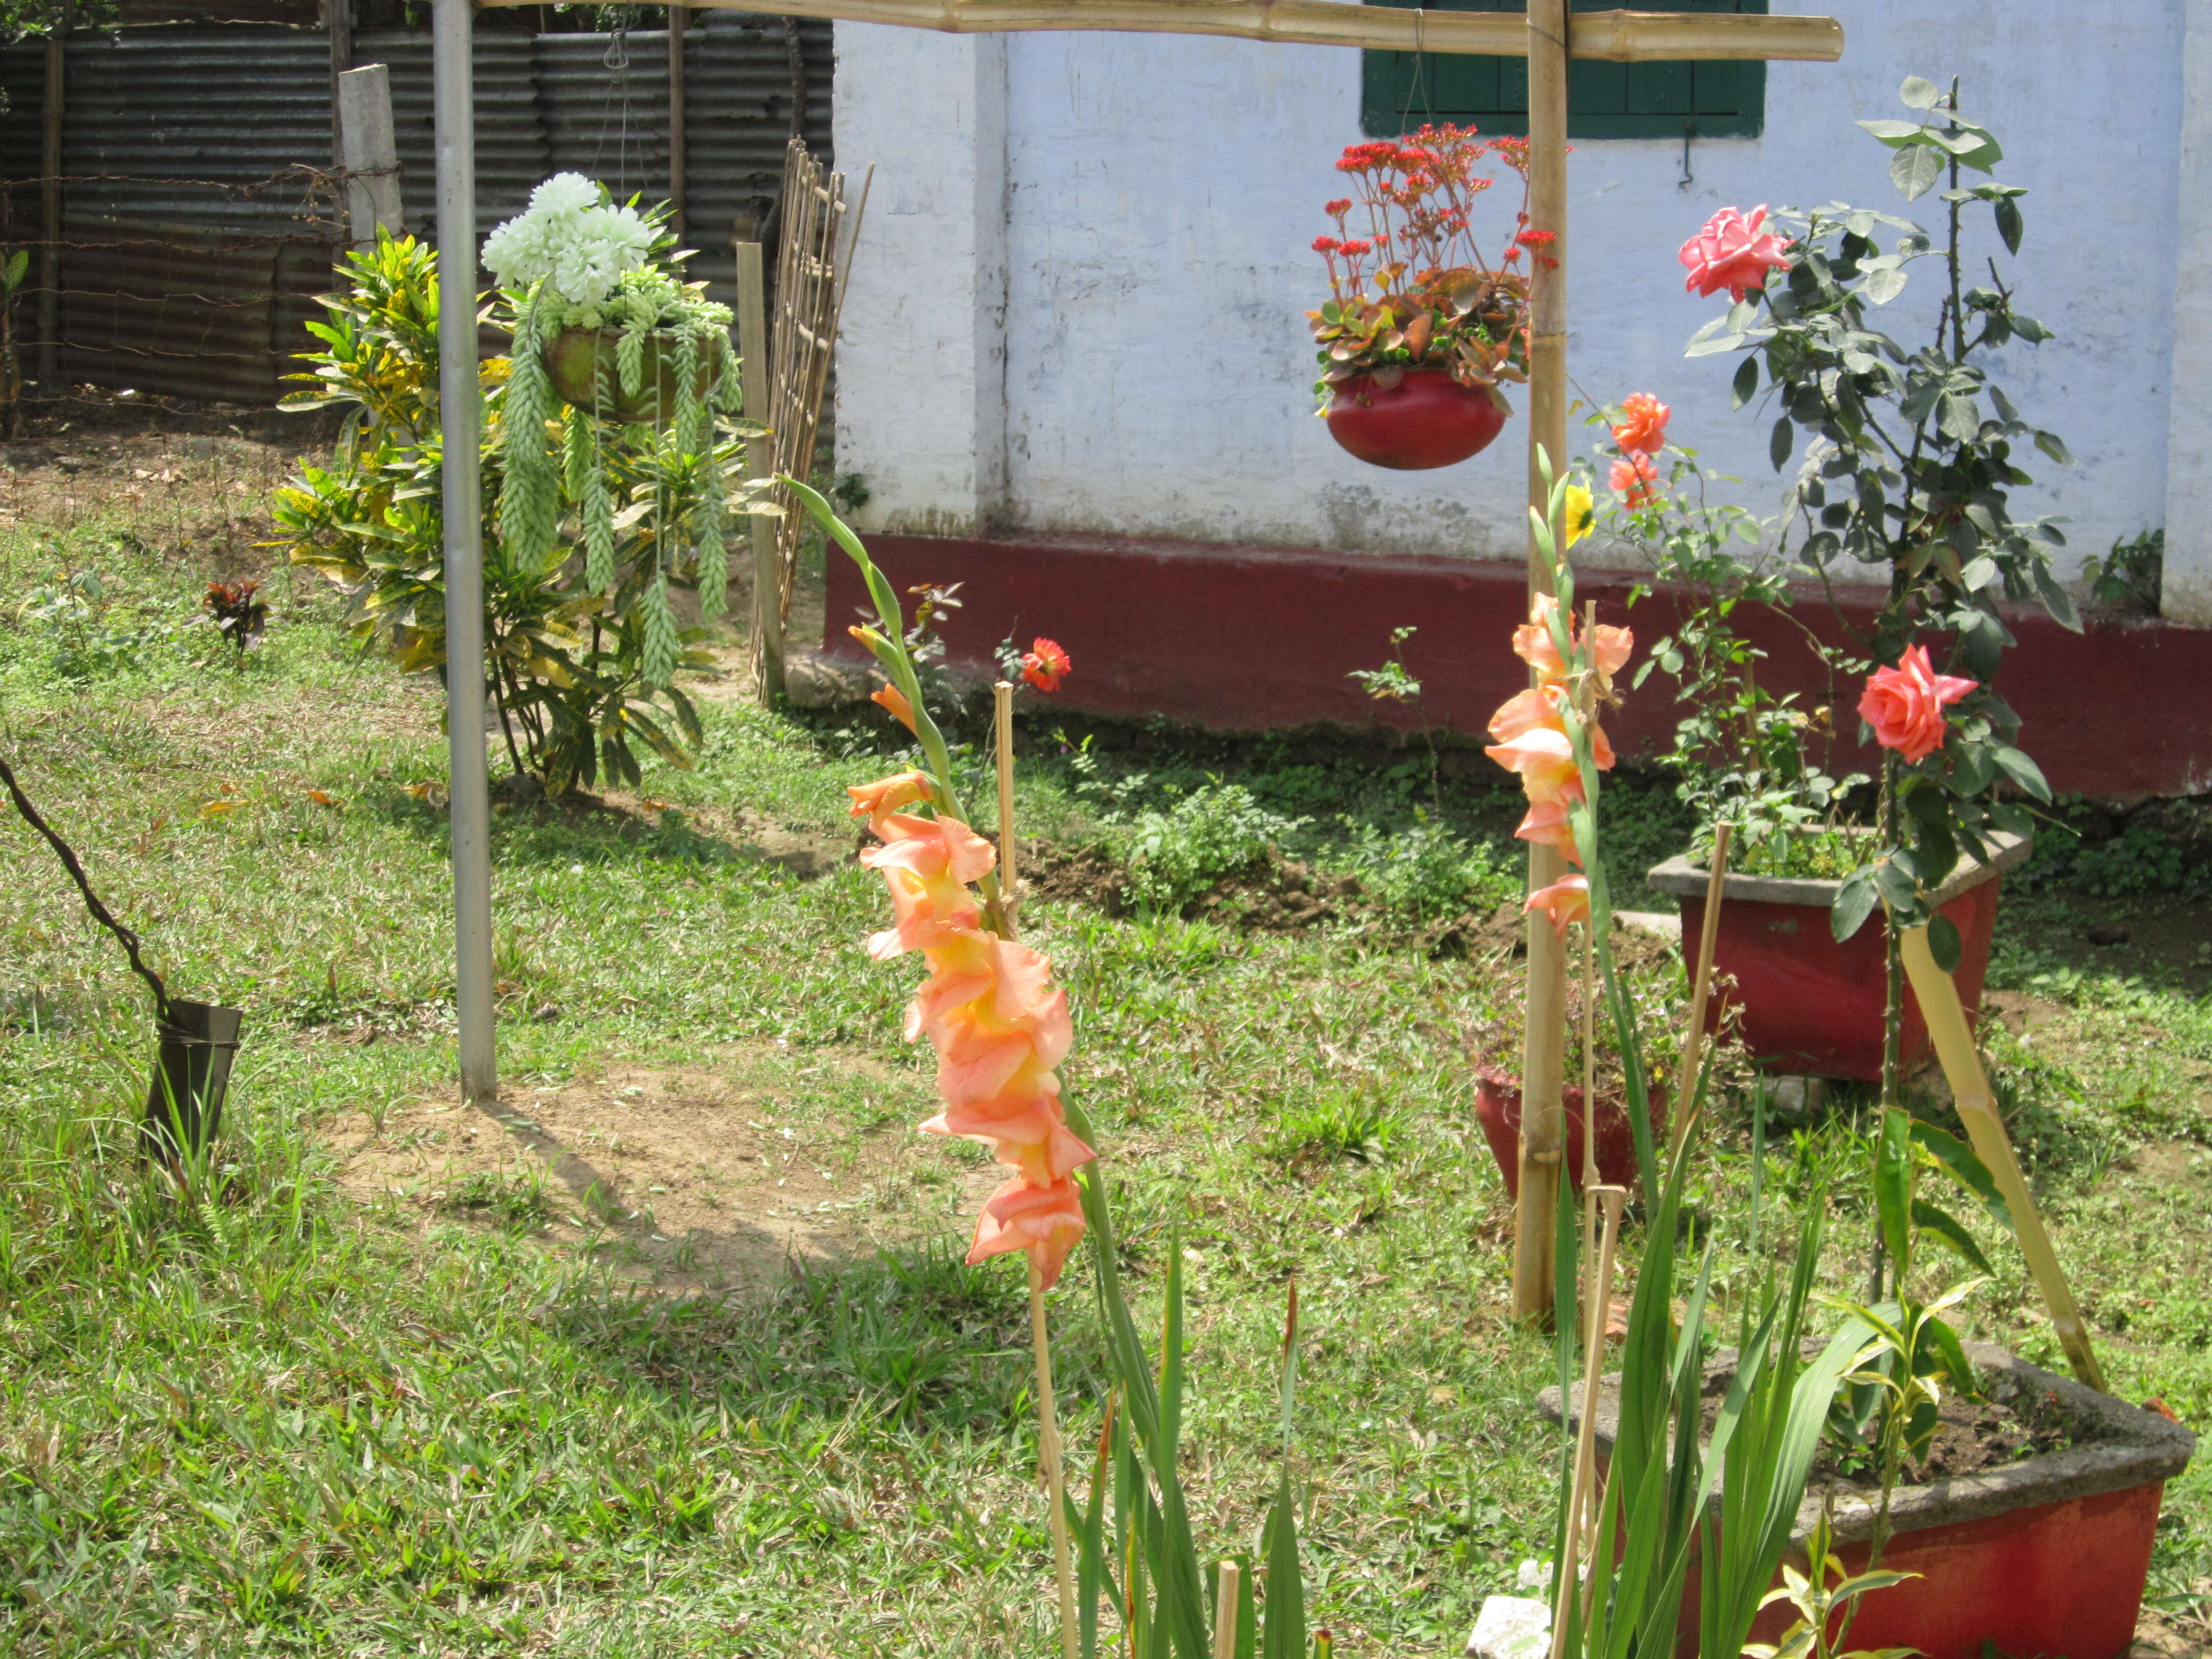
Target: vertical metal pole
(459, 416)
(677, 129)
(49, 206)
(1543, 1117)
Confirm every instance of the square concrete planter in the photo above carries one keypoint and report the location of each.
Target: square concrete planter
(2046, 1556)
(1810, 1005)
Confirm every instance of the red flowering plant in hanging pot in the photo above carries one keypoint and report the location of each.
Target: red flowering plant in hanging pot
(1421, 333)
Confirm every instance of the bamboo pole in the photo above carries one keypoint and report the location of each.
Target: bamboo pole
(1693, 1040)
(1978, 1110)
(1009, 891)
(1582, 1494)
(1543, 1030)
(760, 463)
(1612, 36)
(1224, 1610)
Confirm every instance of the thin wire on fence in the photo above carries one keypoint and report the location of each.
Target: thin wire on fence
(133, 287)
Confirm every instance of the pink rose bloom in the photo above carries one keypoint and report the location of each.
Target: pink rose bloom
(1905, 704)
(1730, 254)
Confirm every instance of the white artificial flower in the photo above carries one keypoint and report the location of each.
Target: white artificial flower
(564, 193)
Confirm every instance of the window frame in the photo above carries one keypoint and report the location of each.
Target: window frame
(1733, 92)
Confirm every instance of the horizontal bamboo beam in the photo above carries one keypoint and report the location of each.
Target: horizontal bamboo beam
(1615, 36)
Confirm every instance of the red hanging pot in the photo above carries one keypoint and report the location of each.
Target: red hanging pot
(1426, 420)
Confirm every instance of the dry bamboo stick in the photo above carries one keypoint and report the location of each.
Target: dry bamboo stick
(759, 462)
(1224, 1610)
(1582, 1498)
(1009, 891)
(1048, 1450)
(1693, 1039)
(1612, 36)
(1977, 1109)
(1544, 1025)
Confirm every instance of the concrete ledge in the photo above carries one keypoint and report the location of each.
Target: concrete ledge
(1238, 638)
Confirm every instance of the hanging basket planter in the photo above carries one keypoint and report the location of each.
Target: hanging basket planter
(575, 358)
(1414, 420)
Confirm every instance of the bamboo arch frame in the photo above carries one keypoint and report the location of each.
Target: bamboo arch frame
(1547, 34)
(1616, 37)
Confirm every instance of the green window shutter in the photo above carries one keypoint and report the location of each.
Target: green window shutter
(1401, 90)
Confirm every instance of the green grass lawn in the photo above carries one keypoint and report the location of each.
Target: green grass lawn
(479, 1401)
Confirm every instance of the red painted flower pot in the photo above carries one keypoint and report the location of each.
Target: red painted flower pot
(1428, 419)
(1497, 1109)
(1809, 1005)
(2048, 1555)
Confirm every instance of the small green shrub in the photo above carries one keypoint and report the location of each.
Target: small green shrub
(516, 1197)
(1427, 871)
(1339, 1122)
(1214, 831)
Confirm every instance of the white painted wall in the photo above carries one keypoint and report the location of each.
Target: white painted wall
(1151, 247)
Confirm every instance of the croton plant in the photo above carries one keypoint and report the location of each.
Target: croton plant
(1410, 288)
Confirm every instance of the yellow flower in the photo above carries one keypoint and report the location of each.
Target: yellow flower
(1582, 514)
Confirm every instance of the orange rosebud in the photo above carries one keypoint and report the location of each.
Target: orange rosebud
(1565, 901)
(1046, 1221)
(1644, 429)
(894, 700)
(873, 801)
(1635, 480)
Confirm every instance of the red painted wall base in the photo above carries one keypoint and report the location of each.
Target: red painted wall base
(1256, 638)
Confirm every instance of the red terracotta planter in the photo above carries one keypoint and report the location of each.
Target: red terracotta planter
(1811, 1006)
(2045, 1556)
(1497, 1109)
(1427, 420)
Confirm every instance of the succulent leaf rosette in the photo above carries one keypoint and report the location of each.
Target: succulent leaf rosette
(1411, 288)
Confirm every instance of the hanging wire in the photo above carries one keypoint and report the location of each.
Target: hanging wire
(1418, 86)
(616, 63)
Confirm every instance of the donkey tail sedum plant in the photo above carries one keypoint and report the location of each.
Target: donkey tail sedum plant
(1000, 1026)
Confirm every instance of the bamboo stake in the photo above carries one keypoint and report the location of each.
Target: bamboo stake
(1581, 1494)
(1693, 1040)
(1009, 893)
(1049, 1451)
(1544, 1027)
(1612, 36)
(1978, 1110)
(1224, 1610)
(760, 463)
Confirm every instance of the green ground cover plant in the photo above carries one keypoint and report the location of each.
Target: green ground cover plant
(358, 1400)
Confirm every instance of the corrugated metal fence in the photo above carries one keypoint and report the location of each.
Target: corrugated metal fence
(192, 247)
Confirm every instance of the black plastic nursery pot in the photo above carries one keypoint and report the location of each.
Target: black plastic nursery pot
(191, 1074)
(2046, 1555)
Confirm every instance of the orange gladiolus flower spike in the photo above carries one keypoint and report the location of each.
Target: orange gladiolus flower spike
(1545, 761)
(894, 700)
(886, 795)
(1565, 901)
(1046, 1221)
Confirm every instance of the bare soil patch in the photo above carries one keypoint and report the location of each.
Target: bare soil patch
(708, 1177)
